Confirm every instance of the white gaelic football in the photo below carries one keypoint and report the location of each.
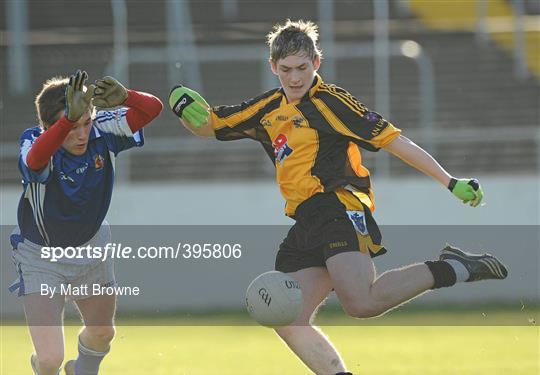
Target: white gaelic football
(274, 299)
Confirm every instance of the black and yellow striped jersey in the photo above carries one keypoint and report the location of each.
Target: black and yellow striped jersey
(314, 143)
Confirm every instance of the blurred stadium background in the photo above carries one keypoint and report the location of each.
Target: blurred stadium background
(461, 78)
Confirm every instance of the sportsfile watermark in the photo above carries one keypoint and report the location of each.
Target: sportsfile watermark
(118, 251)
(199, 275)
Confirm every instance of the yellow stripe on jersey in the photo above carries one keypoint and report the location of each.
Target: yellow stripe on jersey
(386, 136)
(355, 159)
(243, 114)
(346, 98)
(333, 120)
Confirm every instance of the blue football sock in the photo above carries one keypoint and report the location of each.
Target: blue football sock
(88, 361)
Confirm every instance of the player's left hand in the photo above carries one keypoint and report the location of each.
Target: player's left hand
(467, 189)
(109, 93)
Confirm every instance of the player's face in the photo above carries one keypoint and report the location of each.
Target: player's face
(296, 73)
(76, 141)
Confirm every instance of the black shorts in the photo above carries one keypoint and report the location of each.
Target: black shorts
(325, 228)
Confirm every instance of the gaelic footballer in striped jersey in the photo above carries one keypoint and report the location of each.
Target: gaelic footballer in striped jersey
(67, 168)
(315, 134)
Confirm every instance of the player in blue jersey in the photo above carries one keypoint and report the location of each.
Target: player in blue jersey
(67, 165)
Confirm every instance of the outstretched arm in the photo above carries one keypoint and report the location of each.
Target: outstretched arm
(467, 190)
(192, 110)
(415, 156)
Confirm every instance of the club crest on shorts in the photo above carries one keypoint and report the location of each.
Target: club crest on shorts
(281, 148)
(358, 219)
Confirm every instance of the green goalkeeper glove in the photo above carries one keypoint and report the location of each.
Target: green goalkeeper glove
(189, 105)
(78, 100)
(109, 93)
(467, 189)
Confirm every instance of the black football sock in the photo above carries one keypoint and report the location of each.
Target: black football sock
(443, 273)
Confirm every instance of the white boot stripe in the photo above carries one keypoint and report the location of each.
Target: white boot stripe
(492, 267)
(488, 265)
(497, 267)
(500, 268)
(492, 264)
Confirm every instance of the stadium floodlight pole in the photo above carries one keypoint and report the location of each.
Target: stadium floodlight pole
(120, 51)
(325, 9)
(382, 74)
(426, 79)
(520, 52)
(119, 69)
(481, 21)
(18, 68)
(180, 45)
(229, 9)
(427, 91)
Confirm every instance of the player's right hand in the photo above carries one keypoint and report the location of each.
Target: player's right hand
(189, 105)
(78, 97)
(467, 189)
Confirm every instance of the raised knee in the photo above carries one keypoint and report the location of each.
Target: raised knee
(102, 333)
(362, 310)
(50, 362)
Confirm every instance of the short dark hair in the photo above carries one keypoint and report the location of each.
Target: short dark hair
(51, 100)
(292, 38)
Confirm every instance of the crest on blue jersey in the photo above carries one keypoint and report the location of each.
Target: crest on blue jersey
(98, 162)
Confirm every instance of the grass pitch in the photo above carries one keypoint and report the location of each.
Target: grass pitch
(145, 348)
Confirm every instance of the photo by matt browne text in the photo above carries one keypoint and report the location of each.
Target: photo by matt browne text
(89, 290)
(67, 166)
(314, 133)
